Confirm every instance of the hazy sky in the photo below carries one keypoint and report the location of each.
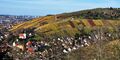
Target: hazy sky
(44, 7)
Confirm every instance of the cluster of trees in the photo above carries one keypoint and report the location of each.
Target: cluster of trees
(98, 13)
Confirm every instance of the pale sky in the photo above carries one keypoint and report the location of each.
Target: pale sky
(44, 7)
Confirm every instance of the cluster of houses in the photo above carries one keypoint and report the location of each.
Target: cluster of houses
(14, 18)
(56, 47)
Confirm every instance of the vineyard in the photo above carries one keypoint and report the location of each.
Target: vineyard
(48, 25)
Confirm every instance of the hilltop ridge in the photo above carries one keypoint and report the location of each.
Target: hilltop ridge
(97, 13)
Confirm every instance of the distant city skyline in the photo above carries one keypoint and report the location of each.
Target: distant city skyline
(45, 7)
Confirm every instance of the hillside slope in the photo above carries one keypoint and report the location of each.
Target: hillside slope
(68, 27)
(65, 25)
